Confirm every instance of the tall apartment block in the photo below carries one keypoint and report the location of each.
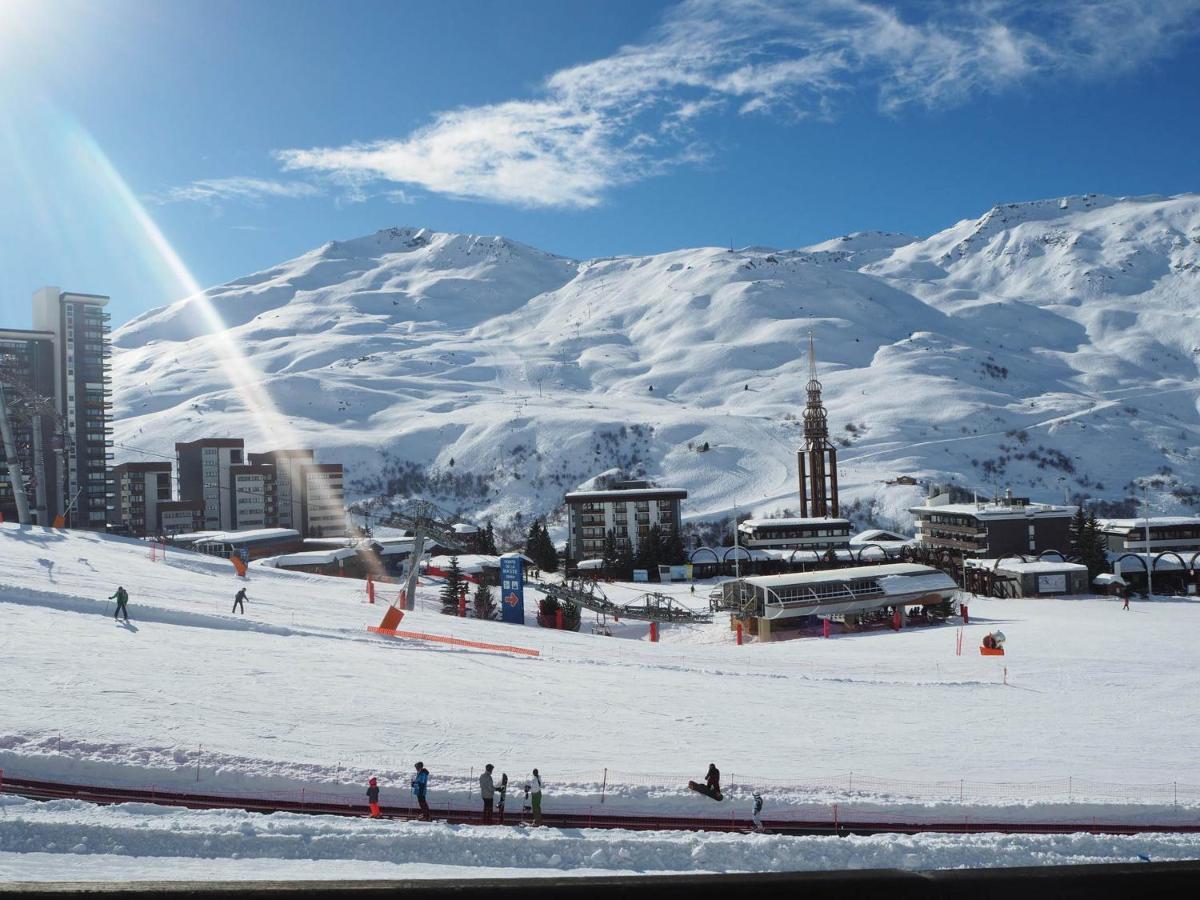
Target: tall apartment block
(628, 510)
(139, 489)
(276, 489)
(205, 474)
(27, 370)
(65, 445)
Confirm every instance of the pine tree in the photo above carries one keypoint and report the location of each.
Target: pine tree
(1095, 555)
(533, 547)
(1078, 535)
(452, 589)
(484, 602)
(673, 551)
(489, 540)
(624, 567)
(549, 560)
(608, 557)
(649, 552)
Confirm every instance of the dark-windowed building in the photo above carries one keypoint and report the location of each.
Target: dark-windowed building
(1178, 533)
(1011, 525)
(58, 393)
(818, 534)
(139, 489)
(629, 509)
(27, 371)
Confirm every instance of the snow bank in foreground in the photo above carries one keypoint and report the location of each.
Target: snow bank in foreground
(113, 842)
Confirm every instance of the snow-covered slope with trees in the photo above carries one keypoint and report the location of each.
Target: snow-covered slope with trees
(1051, 346)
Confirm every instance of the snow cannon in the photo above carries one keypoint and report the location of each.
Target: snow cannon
(993, 644)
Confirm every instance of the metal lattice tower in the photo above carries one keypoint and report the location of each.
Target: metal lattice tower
(817, 461)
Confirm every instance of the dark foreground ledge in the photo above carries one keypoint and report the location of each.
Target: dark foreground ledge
(1142, 880)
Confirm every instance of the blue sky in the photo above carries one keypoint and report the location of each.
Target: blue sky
(139, 140)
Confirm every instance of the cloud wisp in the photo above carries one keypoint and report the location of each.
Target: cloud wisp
(633, 114)
(251, 191)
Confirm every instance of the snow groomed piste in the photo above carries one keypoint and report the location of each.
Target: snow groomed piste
(325, 803)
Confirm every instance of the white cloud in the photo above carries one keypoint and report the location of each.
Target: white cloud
(632, 114)
(253, 191)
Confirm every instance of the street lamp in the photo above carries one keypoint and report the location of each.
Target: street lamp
(1149, 563)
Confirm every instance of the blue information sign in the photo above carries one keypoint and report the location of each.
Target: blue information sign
(512, 589)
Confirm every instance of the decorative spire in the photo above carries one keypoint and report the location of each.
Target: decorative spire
(816, 425)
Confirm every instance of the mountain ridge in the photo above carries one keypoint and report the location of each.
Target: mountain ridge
(494, 376)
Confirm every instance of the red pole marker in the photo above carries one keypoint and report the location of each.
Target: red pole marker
(462, 606)
(966, 616)
(654, 632)
(739, 634)
(824, 628)
(558, 619)
(370, 590)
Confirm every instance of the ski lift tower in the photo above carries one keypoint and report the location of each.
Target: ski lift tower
(425, 521)
(20, 403)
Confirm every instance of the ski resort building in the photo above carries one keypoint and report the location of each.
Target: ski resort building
(27, 370)
(139, 488)
(249, 545)
(59, 397)
(1179, 533)
(1015, 577)
(795, 534)
(992, 529)
(772, 601)
(276, 489)
(628, 510)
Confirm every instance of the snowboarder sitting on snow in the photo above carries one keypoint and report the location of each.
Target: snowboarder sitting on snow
(122, 598)
(239, 600)
(373, 797)
(487, 790)
(420, 785)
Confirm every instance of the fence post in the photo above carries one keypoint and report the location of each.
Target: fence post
(851, 790)
(1070, 789)
(603, 786)
(960, 790)
(199, 751)
(1174, 788)
(836, 829)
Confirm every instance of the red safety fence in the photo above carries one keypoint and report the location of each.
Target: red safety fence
(838, 821)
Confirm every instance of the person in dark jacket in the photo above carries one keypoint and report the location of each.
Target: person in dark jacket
(420, 786)
(122, 598)
(713, 778)
(239, 600)
(487, 790)
(373, 798)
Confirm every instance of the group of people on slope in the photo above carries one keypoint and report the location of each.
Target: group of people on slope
(487, 790)
(122, 598)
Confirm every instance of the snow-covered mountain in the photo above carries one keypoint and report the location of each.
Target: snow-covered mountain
(1051, 346)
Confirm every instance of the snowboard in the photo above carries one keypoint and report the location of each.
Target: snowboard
(501, 790)
(705, 790)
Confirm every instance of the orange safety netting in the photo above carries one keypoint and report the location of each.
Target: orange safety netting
(456, 642)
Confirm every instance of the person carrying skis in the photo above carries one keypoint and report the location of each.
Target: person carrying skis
(487, 790)
(373, 798)
(756, 815)
(420, 785)
(122, 598)
(239, 600)
(535, 797)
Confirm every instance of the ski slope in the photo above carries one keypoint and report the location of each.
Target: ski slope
(297, 692)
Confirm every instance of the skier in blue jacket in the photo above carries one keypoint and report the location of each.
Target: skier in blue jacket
(420, 786)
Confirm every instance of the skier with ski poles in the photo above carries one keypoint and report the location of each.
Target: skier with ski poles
(420, 786)
(756, 815)
(239, 600)
(122, 598)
